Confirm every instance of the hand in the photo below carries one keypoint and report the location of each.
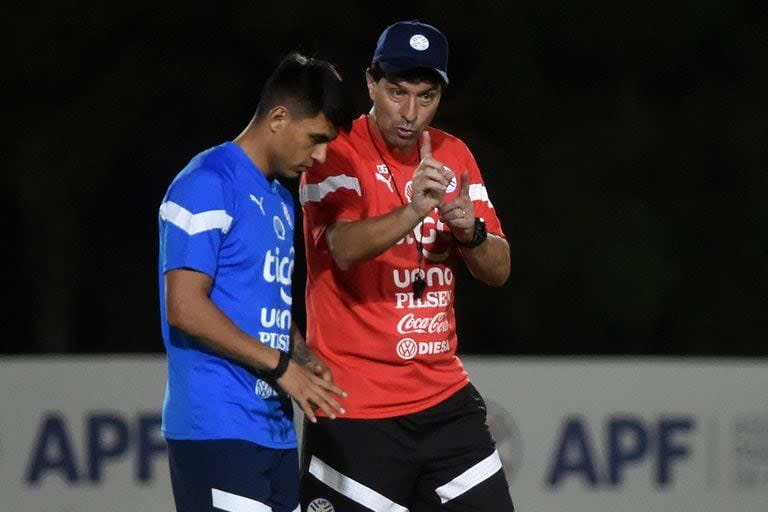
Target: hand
(311, 391)
(318, 366)
(430, 179)
(459, 214)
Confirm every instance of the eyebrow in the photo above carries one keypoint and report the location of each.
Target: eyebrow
(399, 85)
(320, 138)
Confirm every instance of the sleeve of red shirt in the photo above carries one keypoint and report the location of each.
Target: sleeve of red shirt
(329, 192)
(480, 198)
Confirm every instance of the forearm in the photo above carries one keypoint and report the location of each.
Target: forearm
(353, 242)
(299, 344)
(202, 319)
(490, 261)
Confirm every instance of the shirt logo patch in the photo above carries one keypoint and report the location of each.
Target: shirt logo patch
(406, 348)
(383, 175)
(409, 191)
(259, 201)
(264, 390)
(320, 505)
(452, 185)
(287, 214)
(279, 227)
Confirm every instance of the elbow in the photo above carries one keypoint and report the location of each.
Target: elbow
(343, 261)
(342, 254)
(178, 315)
(499, 280)
(174, 317)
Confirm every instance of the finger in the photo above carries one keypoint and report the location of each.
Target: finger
(425, 151)
(431, 163)
(465, 184)
(325, 373)
(308, 412)
(446, 209)
(324, 405)
(329, 402)
(435, 174)
(333, 388)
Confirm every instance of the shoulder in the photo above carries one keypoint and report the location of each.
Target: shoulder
(285, 194)
(446, 141)
(208, 174)
(449, 148)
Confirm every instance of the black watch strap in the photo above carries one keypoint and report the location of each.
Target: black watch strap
(478, 237)
(282, 366)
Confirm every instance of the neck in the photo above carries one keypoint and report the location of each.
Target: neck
(253, 145)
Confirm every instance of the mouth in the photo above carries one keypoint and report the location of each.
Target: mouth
(405, 133)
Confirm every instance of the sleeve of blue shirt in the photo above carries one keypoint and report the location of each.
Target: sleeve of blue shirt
(196, 215)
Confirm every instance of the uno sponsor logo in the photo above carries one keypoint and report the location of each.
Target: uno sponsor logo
(320, 505)
(408, 348)
(274, 317)
(410, 323)
(441, 276)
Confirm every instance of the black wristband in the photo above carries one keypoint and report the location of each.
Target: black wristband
(282, 366)
(478, 237)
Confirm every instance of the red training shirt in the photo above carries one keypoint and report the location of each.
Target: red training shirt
(393, 354)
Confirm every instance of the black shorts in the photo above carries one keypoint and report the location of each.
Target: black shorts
(232, 475)
(439, 459)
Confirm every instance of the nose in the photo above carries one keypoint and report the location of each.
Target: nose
(319, 153)
(408, 110)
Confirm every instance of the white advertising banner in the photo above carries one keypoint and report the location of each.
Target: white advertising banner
(575, 435)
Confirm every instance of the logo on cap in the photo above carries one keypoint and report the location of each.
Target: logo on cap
(419, 42)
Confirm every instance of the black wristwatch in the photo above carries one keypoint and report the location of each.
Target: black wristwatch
(478, 237)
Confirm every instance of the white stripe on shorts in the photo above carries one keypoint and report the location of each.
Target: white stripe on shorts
(470, 478)
(229, 502)
(352, 489)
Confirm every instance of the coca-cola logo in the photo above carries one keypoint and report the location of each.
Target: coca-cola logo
(411, 323)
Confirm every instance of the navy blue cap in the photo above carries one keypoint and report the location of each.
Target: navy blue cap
(411, 44)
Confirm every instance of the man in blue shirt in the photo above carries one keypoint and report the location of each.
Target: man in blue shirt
(235, 357)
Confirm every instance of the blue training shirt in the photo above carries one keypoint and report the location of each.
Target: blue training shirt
(223, 218)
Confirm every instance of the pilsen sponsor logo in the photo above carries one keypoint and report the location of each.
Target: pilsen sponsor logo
(410, 323)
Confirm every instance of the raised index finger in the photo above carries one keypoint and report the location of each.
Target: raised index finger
(425, 151)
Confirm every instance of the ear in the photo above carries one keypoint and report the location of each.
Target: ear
(277, 118)
(371, 83)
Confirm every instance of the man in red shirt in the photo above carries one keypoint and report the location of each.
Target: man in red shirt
(396, 206)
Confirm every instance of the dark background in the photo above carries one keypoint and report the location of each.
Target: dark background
(623, 143)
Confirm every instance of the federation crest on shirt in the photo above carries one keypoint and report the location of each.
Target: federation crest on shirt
(277, 223)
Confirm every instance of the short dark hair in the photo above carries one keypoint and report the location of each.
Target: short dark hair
(307, 86)
(410, 75)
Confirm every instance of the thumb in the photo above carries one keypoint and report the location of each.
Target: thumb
(465, 184)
